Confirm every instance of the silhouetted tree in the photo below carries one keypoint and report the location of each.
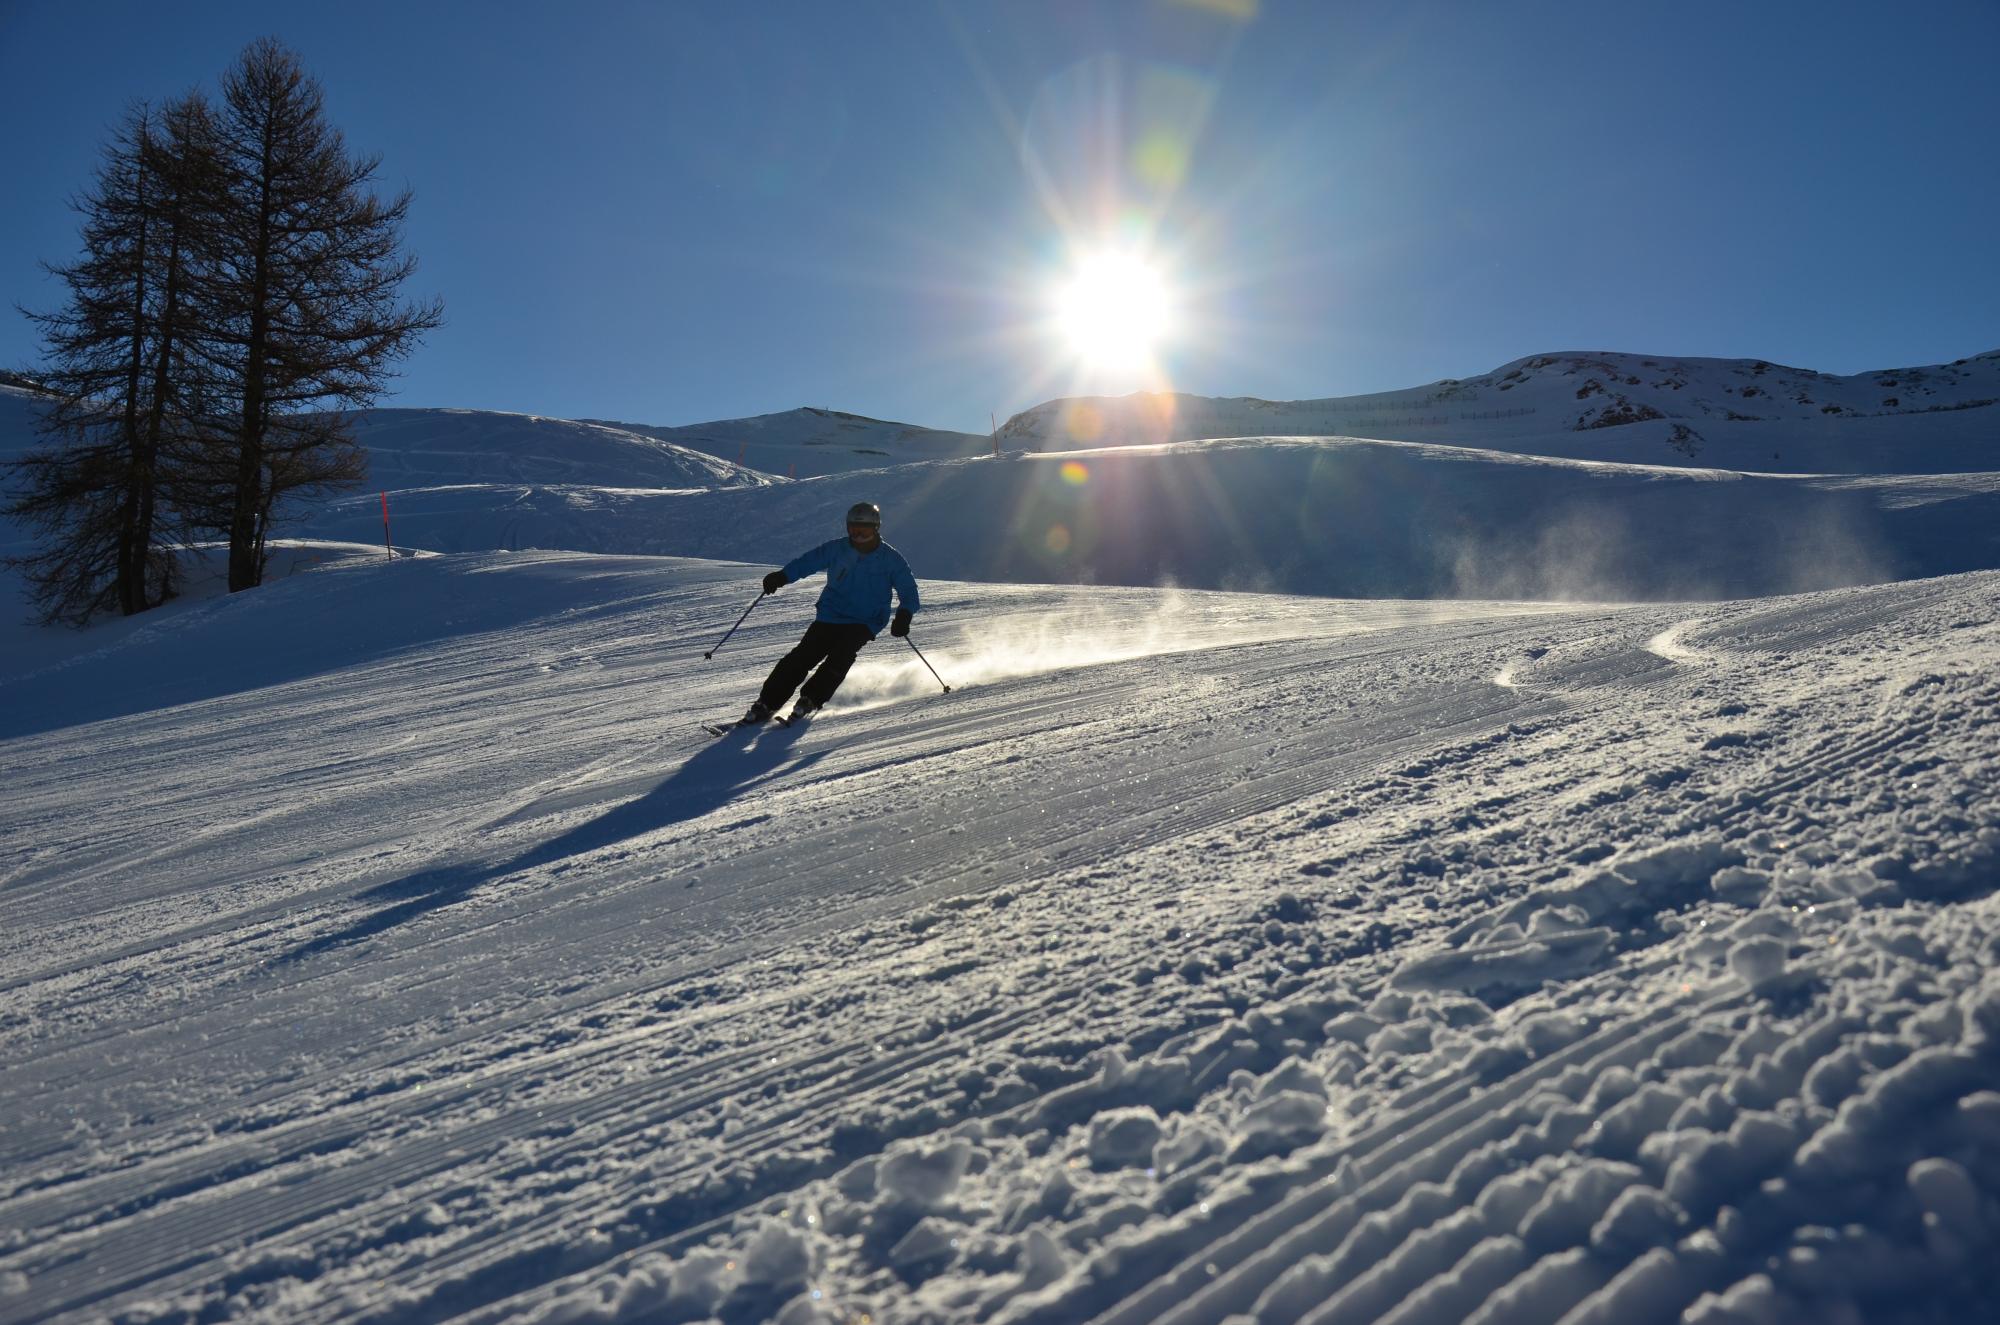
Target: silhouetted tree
(307, 318)
(125, 392)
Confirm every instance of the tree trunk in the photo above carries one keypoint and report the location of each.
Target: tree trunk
(146, 461)
(134, 543)
(246, 562)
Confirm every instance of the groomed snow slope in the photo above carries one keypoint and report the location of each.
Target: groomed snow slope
(389, 945)
(1330, 516)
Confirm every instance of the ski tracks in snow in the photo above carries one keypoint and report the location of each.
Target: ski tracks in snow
(1425, 998)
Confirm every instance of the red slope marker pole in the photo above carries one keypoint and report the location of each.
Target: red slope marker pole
(386, 544)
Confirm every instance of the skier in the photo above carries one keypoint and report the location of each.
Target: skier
(860, 571)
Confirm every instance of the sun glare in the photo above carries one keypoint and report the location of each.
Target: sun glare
(1114, 310)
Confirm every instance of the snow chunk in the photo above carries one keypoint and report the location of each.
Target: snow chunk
(1979, 1115)
(1505, 1203)
(1575, 1202)
(932, 1241)
(1043, 1260)
(1546, 1292)
(923, 1175)
(1740, 884)
(1706, 1171)
(1187, 1143)
(1849, 1146)
(805, 1311)
(1511, 967)
(1642, 1218)
(1767, 924)
(1758, 961)
(1279, 1124)
(778, 1257)
(700, 1283)
(1754, 1301)
(1121, 1138)
(1838, 885)
(1546, 1033)
(1678, 867)
(1639, 1291)
(1950, 1201)
(1351, 1027)
(1622, 1128)
(1293, 1074)
(1405, 1037)
(1455, 1294)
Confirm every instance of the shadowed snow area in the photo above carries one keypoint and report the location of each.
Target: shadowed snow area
(1454, 930)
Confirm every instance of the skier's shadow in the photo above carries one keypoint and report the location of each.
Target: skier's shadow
(710, 779)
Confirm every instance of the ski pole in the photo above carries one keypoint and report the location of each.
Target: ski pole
(925, 661)
(739, 621)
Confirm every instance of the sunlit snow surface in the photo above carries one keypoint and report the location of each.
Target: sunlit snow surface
(391, 944)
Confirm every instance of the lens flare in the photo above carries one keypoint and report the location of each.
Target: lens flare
(1082, 422)
(1075, 473)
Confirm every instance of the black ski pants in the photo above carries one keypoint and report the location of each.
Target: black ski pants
(828, 646)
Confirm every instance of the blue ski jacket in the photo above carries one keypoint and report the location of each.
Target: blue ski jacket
(857, 583)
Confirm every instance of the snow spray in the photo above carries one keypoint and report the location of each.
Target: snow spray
(925, 661)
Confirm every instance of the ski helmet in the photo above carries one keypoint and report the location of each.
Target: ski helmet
(865, 512)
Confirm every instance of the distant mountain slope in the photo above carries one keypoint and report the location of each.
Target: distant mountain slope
(809, 443)
(410, 448)
(418, 448)
(1319, 514)
(1736, 413)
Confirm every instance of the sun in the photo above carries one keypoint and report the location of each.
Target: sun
(1113, 309)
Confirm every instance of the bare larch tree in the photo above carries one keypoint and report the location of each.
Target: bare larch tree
(307, 317)
(126, 393)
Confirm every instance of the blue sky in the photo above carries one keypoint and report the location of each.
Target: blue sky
(668, 213)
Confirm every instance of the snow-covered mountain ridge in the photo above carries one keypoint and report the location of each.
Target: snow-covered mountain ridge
(1317, 515)
(1736, 413)
(413, 448)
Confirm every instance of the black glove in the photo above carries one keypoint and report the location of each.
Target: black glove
(901, 625)
(775, 581)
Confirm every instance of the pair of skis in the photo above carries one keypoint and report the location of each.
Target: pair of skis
(724, 728)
